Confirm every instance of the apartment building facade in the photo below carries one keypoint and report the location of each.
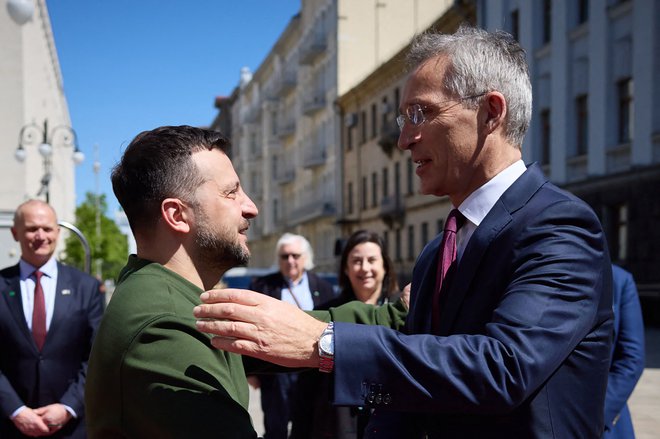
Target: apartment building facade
(32, 93)
(285, 126)
(595, 69)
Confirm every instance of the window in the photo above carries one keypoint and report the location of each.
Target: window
(349, 200)
(276, 210)
(545, 136)
(374, 189)
(547, 21)
(374, 120)
(424, 232)
(439, 226)
(411, 242)
(626, 117)
(384, 120)
(386, 178)
(364, 193)
(273, 123)
(349, 138)
(397, 99)
(397, 244)
(583, 11)
(397, 180)
(363, 127)
(617, 231)
(409, 176)
(514, 25)
(582, 125)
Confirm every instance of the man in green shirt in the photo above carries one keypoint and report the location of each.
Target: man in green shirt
(151, 372)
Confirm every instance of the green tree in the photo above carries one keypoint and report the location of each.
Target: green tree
(109, 247)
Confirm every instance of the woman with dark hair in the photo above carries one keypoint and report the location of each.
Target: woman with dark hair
(366, 273)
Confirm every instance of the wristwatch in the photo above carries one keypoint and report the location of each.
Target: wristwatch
(327, 348)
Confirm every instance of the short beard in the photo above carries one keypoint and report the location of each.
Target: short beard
(215, 250)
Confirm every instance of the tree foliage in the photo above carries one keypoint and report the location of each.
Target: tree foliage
(109, 247)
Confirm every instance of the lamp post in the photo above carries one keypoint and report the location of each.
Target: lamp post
(30, 134)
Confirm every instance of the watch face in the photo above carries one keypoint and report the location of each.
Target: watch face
(326, 345)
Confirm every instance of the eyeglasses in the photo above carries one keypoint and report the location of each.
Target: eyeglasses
(286, 256)
(415, 113)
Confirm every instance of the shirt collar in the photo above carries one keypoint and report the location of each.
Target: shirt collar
(27, 269)
(477, 205)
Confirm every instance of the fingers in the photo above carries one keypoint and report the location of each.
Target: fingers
(234, 295)
(227, 329)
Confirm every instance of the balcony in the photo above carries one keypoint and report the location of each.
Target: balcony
(286, 128)
(389, 137)
(306, 212)
(314, 155)
(391, 210)
(285, 175)
(312, 47)
(285, 83)
(313, 104)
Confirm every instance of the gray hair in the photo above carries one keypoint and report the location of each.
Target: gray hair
(482, 61)
(306, 248)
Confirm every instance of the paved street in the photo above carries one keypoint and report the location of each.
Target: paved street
(644, 403)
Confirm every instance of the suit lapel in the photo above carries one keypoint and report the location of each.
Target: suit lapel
(11, 294)
(63, 296)
(493, 224)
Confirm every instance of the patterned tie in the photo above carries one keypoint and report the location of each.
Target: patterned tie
(39, 312)
(446, 257)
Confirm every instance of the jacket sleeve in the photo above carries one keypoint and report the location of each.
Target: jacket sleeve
(557, 268)
(628, 356)
(392, 315)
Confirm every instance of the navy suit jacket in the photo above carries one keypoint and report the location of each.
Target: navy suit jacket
(627, 355)
(272, 285)
(525, 338)
(57, 373)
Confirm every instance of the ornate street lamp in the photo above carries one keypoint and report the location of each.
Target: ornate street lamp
(20, 11)
(30, 134)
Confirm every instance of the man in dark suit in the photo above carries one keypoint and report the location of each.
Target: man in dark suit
(627, 356)
(47, 324)
(514, 340)
(296, 284)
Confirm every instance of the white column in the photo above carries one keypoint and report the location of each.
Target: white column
(598, 77)
(559, 87)
(642, 69)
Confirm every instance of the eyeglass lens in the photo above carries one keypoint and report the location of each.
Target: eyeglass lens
(286, 256)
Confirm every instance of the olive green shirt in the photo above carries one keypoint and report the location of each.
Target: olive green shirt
(152, 374)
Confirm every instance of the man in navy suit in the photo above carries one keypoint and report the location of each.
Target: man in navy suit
(42, 387)
(521, 347)
(627, 356)
(296, 284)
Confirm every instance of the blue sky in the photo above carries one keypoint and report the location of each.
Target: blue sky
(133, 65)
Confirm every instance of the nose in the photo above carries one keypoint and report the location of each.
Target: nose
(408, 136)
(249, 208)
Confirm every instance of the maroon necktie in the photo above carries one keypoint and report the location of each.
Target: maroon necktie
(446, 257)
(39, 312)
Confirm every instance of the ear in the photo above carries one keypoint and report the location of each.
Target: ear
(14, 234)
(176, 215)
(495, 111)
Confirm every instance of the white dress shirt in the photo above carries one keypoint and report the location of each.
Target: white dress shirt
(477, 205)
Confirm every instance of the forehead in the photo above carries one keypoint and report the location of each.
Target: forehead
(215, 165)
(37, 214)
(293, 246)
(366, 248)
(425, 82)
